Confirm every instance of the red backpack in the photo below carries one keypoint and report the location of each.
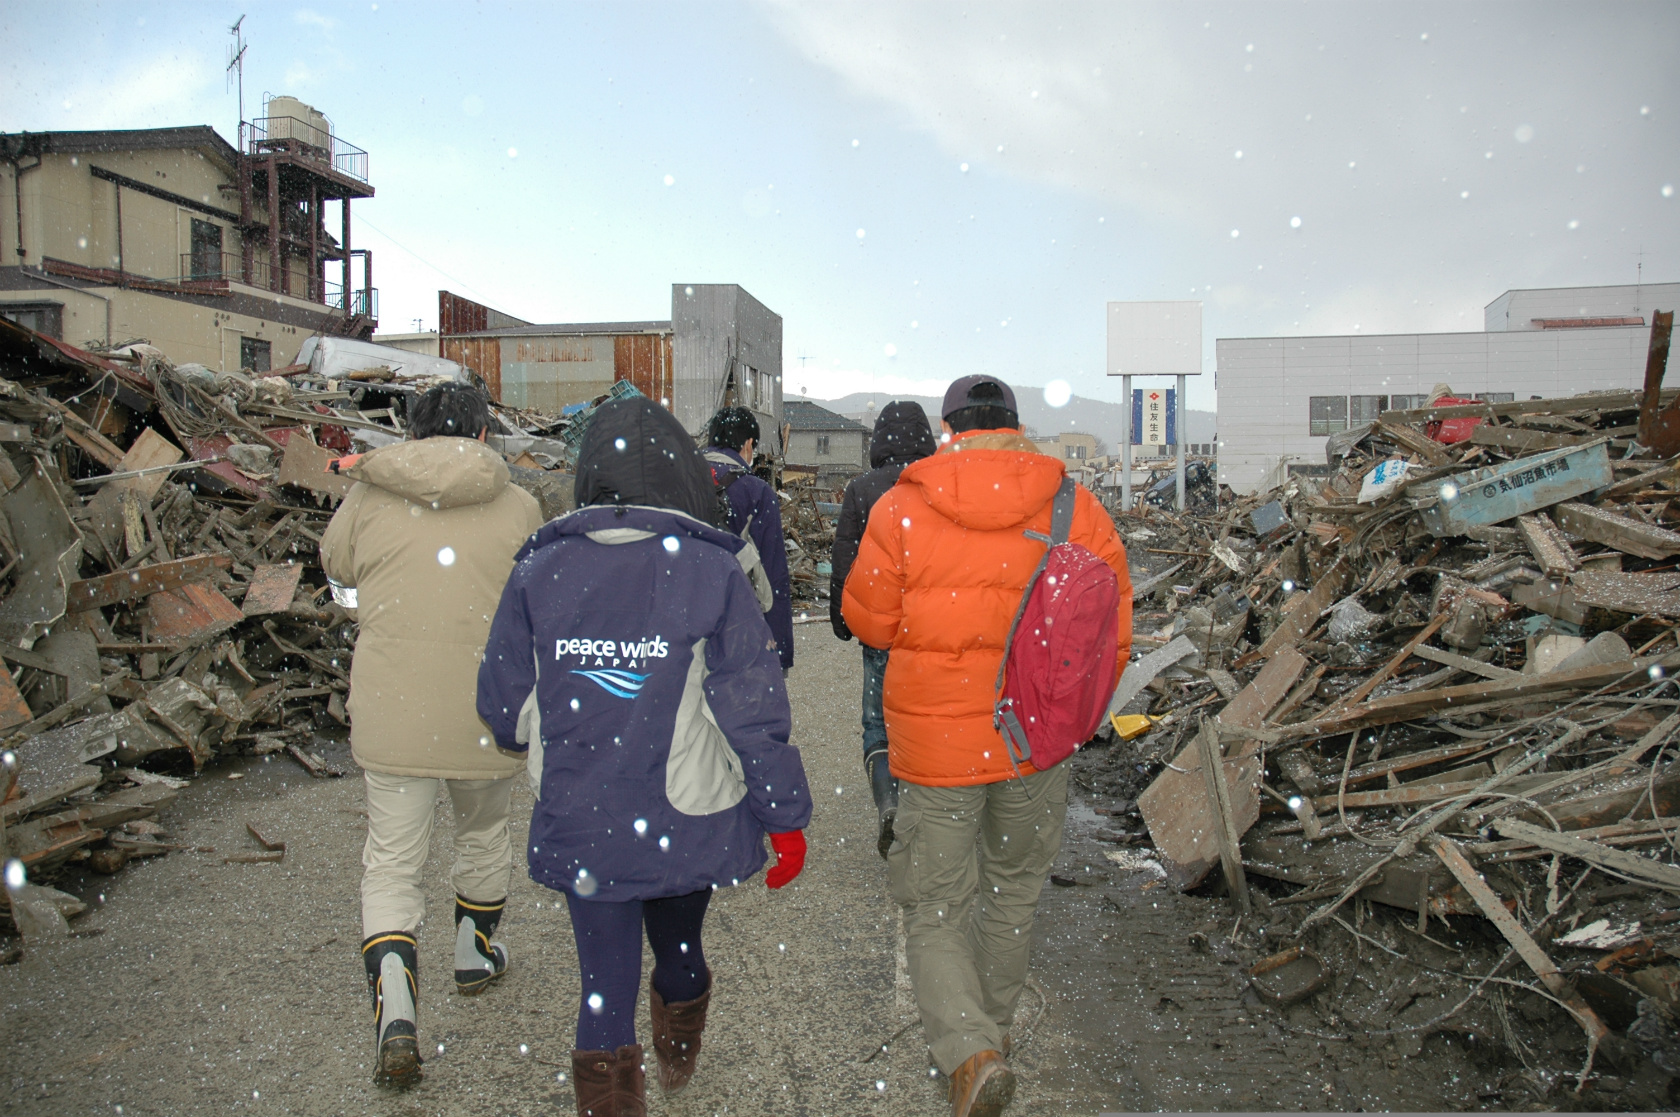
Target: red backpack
(1057, 674)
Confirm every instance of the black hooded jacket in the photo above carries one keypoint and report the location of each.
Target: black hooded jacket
(635, 452)
(901, 436)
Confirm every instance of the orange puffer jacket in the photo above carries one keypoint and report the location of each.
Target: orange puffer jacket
(938, 579)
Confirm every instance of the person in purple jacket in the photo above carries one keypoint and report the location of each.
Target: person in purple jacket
(755, 514)
(629, 658)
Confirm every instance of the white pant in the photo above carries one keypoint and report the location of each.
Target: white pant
(401, 810)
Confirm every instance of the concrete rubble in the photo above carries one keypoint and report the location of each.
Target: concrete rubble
(1445, 712)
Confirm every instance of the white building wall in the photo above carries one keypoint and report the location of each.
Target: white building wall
(1516, 310)
(1264, 384)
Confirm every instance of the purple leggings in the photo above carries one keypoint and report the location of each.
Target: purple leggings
(609, 946)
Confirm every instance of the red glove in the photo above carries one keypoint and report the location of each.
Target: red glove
(790, 857)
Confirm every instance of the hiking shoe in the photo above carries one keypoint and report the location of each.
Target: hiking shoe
(982, 1087)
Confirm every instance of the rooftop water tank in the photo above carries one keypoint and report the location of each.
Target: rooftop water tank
(291, 119)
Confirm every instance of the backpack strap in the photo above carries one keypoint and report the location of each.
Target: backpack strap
(1061, 523)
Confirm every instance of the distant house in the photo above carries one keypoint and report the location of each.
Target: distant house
(835, 446)
(1070, 446)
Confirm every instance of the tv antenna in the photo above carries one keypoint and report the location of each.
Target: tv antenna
(236, 68)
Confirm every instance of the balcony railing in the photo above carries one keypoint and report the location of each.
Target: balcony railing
(364, 302)
(227, 267)
(293, 136)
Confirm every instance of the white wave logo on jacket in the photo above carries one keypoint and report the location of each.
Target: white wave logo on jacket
(619, 684)
(613, 660)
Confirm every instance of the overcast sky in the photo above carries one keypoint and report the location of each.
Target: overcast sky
(926, 190)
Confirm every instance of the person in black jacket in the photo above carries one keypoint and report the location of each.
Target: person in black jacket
(902, 435)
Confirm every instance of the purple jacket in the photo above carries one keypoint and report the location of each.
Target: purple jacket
(630, 656)
(752, 496)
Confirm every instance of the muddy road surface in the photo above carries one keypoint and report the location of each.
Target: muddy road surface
(198, 987)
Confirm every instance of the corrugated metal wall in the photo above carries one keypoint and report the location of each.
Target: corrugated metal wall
(645, 361)
(481, 354)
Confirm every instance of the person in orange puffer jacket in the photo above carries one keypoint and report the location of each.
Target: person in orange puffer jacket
(938, 578)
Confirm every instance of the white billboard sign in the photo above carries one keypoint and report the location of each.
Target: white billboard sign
(1155, 338)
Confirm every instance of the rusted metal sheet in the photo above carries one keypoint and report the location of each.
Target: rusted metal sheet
(271, 589)
(1503, 492)
(645, 361)
(191, 614)
(481, 354)
(127, 585)
(14, 710)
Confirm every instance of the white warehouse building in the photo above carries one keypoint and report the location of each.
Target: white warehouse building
(1280, 398)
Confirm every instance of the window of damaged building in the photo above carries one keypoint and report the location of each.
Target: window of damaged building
(254, 354)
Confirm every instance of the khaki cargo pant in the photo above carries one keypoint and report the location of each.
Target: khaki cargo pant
(967, 865)
(400, 814)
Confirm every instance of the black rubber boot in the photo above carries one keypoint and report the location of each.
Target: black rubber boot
(885, 789)
(391, 968)
(478, 961)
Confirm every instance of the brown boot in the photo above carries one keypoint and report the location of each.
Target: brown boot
(676, 1035)
(609, 1084)
(982, 1086)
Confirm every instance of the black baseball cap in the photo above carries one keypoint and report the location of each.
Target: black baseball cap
(962, 394)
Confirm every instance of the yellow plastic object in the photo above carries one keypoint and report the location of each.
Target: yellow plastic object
(1132, 725)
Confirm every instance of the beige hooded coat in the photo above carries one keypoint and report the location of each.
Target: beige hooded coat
(427, 540)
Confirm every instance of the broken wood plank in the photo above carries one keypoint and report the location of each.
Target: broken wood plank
(1522, 440)
(1408, 761)
(1219, 802)
(264, 858)
(1548, 546)
(1414, 441)
(1363, 691)
(1302, 611)
(267, 843)
(149, 451)
(129, 585)
(304, 464)
(1627, 535)
(1520, 940)
(313, 764)
(1557, 405)
(1618, 861)
(1149, 584)
(1140, 674)
(1471, 697)
(271, 589)
(1668, 471)
(1623, 592)
(1269, 687)
(1464, 663)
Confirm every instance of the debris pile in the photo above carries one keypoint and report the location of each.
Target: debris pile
(162, 606)
(808, 533)
(1436, 683)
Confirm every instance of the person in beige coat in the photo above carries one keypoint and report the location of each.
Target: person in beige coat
(426, 538)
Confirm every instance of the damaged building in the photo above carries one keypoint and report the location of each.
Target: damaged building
(720, 347)
(215, 253)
